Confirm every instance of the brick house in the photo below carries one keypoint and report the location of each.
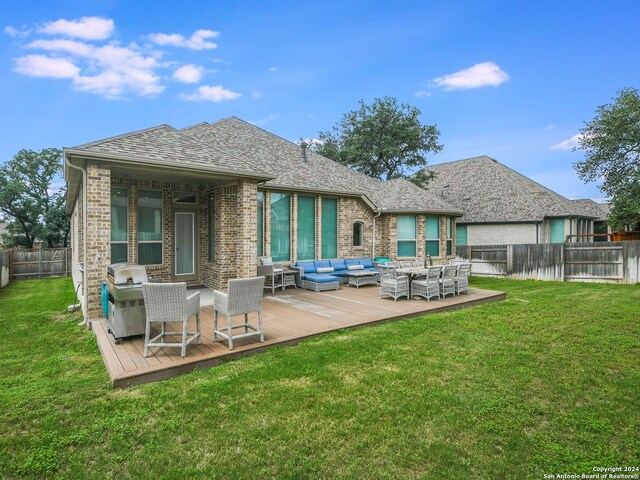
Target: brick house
(200, 205)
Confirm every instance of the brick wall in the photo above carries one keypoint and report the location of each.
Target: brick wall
(351, 210)
(387, 244)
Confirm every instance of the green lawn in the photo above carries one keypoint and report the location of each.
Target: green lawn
(547, 381)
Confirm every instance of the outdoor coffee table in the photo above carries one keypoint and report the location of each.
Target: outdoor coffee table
(358, 278)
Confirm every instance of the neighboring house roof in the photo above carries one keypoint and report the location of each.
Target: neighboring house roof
(235, 146)
(490, 192)
(592, 208)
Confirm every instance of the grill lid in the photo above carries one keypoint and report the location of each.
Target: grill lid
(126, 273)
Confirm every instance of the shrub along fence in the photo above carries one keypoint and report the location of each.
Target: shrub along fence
(611, 262)
(36, 263)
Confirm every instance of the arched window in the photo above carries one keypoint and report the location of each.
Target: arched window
(357, 234)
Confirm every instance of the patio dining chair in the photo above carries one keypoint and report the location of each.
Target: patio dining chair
(447, 280)
(244, 296)
(427, 286)
(392, 284)
(406, 264)
(168, 303)
(461, 278)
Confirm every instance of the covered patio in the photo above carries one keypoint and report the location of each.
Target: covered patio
(290, 316)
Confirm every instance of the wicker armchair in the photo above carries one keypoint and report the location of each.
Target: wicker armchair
(244, 296)
(461, 279)
(427, 286)
(447, 282)
(273, 275)
(393, 285)
(165, 303)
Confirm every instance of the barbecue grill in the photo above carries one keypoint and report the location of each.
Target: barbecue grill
(126, 314)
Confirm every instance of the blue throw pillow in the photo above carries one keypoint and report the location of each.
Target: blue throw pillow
(366, 262)
(351, 261)
(308, 267)
(322, 264)
(338, 265)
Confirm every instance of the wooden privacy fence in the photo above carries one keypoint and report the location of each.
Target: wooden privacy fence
(39, 263)
(613, 262)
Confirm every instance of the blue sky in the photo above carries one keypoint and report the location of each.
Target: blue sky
(513, 80)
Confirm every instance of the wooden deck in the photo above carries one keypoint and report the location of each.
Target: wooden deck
(289, 317)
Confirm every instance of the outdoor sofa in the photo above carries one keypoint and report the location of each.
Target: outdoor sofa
(319, 275)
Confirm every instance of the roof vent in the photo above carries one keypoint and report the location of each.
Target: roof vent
(303, 151)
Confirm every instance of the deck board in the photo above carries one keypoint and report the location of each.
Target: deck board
(289, 317)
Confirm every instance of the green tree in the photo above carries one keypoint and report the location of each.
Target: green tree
(611, 142)
(28, 200)
(384, 140)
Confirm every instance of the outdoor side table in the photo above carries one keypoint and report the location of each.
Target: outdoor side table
(289, 279)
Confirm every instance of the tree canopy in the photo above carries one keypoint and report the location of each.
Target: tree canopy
(384, 140)
(611, 142)
(33, 208)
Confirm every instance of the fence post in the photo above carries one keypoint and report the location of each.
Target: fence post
(509, 260)
(563, 259)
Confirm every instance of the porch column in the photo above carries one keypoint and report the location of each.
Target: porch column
(98, 218)
(247, 246)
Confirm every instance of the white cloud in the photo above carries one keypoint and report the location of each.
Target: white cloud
(197, 41)
(480, 75)
(69, 46)
(255, 94)
(212, 93)
(108, 70)
(14, 32)
(423, 94)
(43, 66)
(312, 142)
(188, 74)
(273, 69)
(265, 120)
(87, 28)
(221, 60)
(568, 144)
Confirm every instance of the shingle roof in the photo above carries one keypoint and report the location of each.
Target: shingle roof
(164, 143)
(592, 208)
(233, 145)
(402, 195)
(490, 192)
(281, 158)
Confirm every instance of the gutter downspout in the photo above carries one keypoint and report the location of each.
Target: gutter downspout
(373, 245)
(85, 290)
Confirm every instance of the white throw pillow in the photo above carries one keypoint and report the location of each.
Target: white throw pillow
(324, 270)
(356, 267)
